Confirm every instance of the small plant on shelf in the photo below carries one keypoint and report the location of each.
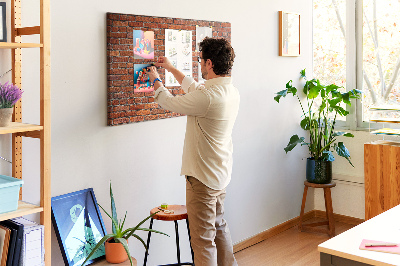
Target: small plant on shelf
(119, 234)
(9, 95)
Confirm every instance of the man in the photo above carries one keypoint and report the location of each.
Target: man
(211, 111)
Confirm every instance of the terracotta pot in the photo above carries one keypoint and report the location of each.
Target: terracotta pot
(115, 252)
(5, 116)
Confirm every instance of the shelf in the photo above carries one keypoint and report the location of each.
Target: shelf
(387, 131)
(9, 45)
(16, 127)
(24, 208)
(385, 107)
(386, 120)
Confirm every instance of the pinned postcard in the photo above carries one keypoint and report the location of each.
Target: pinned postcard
(143, 44)
(140, 79)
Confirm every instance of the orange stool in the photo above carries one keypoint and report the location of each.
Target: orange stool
(179, 213)
(328, 207)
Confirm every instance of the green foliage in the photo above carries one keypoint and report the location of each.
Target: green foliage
(119, 234)
(321, 123)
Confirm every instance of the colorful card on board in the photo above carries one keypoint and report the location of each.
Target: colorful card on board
(143, 42)
(141, 79)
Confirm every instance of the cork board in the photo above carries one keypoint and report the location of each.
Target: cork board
(124, 104)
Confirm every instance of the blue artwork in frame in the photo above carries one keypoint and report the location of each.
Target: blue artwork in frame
(3, 27)
(78, 226)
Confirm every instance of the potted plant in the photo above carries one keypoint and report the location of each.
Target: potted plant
(324, 105)
(116, 243)
(9, 95)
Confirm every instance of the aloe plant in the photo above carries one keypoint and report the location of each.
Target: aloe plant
(119, 234)
(320, 124)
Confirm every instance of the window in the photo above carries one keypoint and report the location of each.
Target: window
(364, 54)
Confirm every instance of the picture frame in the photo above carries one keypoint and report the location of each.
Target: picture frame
(3, 22)
(78, 226)
(289, 34)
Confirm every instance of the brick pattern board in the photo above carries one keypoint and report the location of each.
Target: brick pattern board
(124, 106)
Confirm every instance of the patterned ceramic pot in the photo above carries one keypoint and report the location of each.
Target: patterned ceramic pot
(319, 172)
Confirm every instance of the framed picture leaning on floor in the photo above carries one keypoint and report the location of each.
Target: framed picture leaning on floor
(78, 226)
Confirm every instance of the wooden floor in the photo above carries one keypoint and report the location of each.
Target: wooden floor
(290, 247)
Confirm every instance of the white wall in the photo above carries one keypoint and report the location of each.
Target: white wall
(143, 159)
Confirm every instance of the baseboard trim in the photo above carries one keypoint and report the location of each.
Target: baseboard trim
(289, 224)
(271, 232)
(340, 218)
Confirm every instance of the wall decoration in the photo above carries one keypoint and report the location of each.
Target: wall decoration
(125, 103)
(178, 49)
(289, 34)
(141, 80)
(78, 226)
(144, 44)
(3, 25)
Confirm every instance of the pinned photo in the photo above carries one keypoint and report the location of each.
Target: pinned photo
(140, 79)
(143, 42)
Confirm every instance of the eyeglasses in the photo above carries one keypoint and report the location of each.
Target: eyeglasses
(199, 59)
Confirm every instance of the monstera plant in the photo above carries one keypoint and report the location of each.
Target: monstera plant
(324, 103)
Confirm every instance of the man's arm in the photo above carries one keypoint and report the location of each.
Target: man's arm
(165, 63)
(194, 103)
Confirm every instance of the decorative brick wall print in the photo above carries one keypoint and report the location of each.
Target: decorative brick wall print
(123, 103)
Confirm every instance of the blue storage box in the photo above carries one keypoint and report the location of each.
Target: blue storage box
(9, 193)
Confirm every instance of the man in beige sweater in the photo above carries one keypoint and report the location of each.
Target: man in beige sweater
(211, 111)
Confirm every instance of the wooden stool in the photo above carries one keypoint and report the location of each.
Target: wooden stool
(328, 207)
(180, 213)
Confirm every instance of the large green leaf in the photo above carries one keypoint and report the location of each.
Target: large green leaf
(280, 94)
(346, 98)
(313, 92)
(283, 93)
(341, 111)
(305, 123)
(334, 102)
(355, 93)
(343, 151)
(331, 87)
(327, 156)
(294, 140)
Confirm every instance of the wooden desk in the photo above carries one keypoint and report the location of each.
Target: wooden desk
(105, 263)
(344, 248)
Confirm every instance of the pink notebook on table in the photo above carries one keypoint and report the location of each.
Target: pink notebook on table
(388, 249)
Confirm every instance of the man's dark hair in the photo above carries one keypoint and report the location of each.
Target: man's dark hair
(220, 52)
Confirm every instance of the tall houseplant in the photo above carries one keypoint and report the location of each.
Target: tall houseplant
(119, 235)
(324, 105)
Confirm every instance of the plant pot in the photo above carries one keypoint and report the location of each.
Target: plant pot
(6, 116)
(319, 172)
(115, 252)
